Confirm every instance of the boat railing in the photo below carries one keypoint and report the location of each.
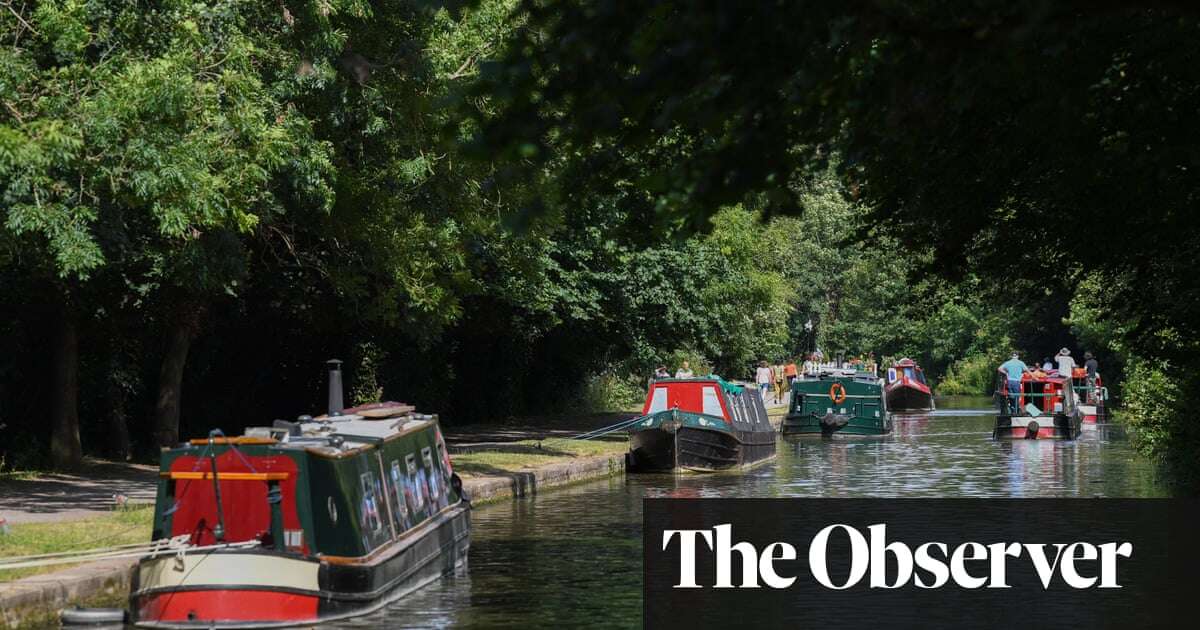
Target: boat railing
(1004, 397)
(1100, 393)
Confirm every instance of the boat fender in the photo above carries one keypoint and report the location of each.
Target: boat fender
(457, 484)
(93, 616)
(834, 421)
(837, 393)
(1031, 430)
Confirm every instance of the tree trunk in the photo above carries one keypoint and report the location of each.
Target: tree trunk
(65, 450)
(180, 331)
(118, 428)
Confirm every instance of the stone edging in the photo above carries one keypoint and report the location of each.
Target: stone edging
(525, 483)
(36, 598)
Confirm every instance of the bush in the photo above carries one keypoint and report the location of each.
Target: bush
(608, 391)
(1156, 407)
(974, 375)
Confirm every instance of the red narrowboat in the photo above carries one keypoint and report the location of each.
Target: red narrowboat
(1045, 408)
(906, 389)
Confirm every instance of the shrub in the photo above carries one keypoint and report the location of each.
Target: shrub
(974, 375)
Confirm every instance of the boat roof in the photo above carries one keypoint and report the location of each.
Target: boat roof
(907, 362)
(335, 436)
(732, 388)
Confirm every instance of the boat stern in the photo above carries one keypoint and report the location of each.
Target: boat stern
(225, 589)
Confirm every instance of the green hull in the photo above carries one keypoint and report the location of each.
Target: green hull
(814, 412)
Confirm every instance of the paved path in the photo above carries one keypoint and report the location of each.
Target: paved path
(78, 495)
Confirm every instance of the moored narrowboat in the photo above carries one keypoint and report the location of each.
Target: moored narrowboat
(302, 523)
(699, 424)
(906, 388)
(833, 402)
(1045, 408)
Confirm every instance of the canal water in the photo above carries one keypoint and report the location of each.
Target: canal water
(573, 557)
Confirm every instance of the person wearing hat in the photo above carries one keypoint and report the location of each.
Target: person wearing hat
(1013, 369)
(1065, 363)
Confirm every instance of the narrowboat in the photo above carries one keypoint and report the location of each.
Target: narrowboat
(906, 389)
(833, 402)
(699, 424)
(302, 522)
(1092, 398)
(1046, 408)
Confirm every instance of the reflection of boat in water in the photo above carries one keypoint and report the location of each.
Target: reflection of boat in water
(837, 402)
(302, 523)
(701, 424)
(1043, 409)
(906, 389)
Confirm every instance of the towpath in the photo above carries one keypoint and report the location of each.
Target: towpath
(90, 491)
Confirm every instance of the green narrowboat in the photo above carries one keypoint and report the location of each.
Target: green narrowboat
(701, 425)
(302, 523)
(837, 402)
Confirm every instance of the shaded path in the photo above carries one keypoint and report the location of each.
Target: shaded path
(76, 495)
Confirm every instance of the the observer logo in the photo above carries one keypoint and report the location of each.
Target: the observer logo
(930, 565)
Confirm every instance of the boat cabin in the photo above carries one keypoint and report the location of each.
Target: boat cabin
(1045, 391)
(736, 405)
(906, 368)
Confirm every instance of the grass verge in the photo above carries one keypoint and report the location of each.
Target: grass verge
(525, 454)
(122, 526)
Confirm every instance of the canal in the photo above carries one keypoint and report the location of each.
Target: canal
(572, 557)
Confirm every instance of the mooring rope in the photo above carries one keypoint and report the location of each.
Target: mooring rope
(602, 431)
(175, 545)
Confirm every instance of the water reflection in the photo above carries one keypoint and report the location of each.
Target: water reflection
(573, 557)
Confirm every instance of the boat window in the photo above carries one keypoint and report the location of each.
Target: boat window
(402, 517)
(413, 489)
(434, 479)
(658, 402)
(909, 373)
(891, 375)
(370, 514)
(712, 403)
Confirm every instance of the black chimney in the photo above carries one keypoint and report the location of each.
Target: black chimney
(335, 387)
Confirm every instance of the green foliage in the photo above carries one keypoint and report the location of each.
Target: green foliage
(610, 391)
(974, 375)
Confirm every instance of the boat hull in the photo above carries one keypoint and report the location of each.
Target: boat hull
(678, 441)
(1056, 427)
(266, 588)
(905, 397)
(833, 424)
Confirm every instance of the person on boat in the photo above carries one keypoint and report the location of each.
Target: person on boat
(789, 371)
(872, 366)
(1091, 368)
(1013, 369)
(1066, 365)
(661, 372)
(810, 366)
(684, 371)
(762, 377)
(1047, 364)
(778, 373)
(1038, 373)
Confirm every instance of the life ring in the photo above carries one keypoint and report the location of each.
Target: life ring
(837, 393)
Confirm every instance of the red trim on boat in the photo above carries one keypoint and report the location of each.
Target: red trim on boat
(227, 605)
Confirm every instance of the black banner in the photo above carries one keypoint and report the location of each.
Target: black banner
(907, 563)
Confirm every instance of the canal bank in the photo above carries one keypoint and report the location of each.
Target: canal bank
(492, 472)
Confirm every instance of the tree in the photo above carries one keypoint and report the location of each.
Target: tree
(159, 131)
